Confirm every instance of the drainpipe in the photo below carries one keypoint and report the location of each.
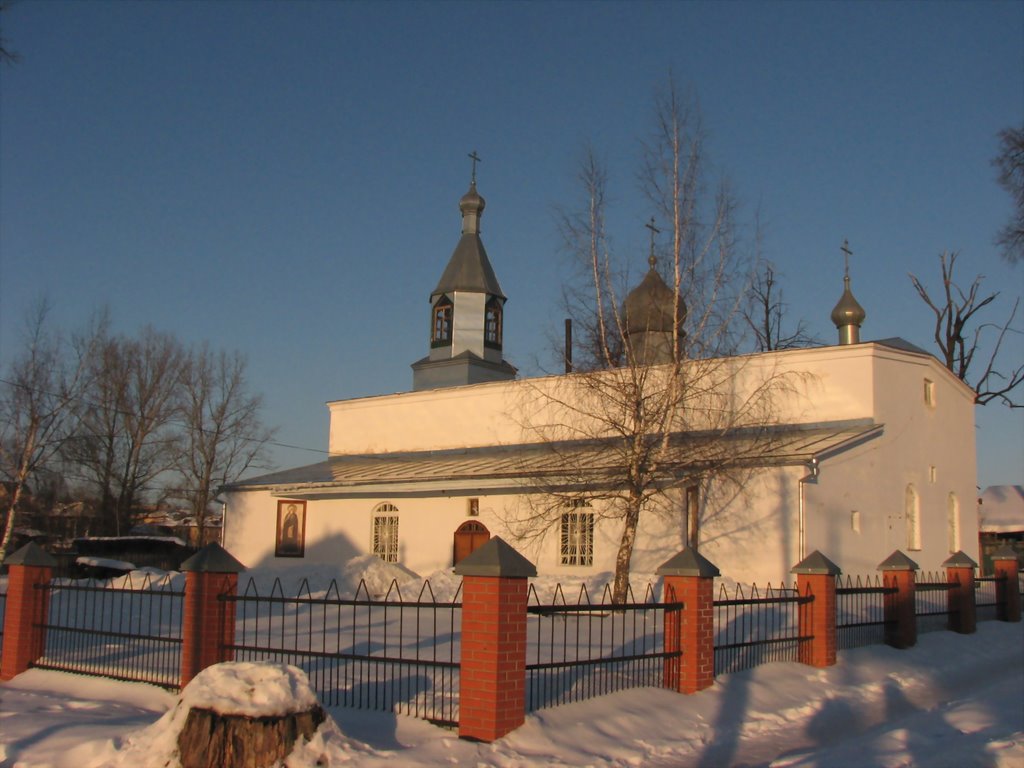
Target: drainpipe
(811, 476)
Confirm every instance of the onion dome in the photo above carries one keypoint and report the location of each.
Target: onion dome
(649, 307)
(848, 315)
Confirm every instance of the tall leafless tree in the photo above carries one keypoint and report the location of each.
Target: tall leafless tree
(959, 331)
(223, 433)
(622, 434)
(1010, 162)
(127, 437)
(38, 393)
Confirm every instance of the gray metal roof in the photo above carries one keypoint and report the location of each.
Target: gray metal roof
(469, 269)
(579, 463)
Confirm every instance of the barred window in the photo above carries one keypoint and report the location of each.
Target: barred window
(492, 324)
(953, 522)
(912, 506)
(385, 532)
(577, 535)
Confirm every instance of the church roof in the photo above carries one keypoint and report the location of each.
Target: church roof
(579, 463)
(650, 306)
(469, 269)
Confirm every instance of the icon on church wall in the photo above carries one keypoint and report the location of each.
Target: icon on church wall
(291, 529)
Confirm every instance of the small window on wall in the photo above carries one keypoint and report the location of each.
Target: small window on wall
(473, 508)
(441, 324)
(577, 534)
(929, 393)
(385, 532)
(492, 324)
(912, 510)
(953, 522)
(693, 514)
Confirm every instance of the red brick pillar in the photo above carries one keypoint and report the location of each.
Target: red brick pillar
(1004, 563)
(816, 579)
(899, 572)
(208, 624)
(26, 610)
(963, 613)
(689, 579)
(492, 676)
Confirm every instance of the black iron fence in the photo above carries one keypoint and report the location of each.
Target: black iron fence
(756, 628)
(385, 654)
(931, 602)
(860, 611)
(580, 650)
(986, 596)
(122, 628)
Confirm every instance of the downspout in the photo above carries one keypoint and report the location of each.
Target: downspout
(811, 476)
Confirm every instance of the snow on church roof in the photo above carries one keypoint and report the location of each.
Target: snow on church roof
(572, 463)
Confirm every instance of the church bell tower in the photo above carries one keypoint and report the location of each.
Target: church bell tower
(466, 312)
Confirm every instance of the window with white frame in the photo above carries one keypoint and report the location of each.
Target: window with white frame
(912, 510)
(577, 534)
(385, 532)
(953, 522)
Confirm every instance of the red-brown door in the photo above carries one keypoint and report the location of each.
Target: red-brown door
(470, 536)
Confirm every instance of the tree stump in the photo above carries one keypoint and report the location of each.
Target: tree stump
(210, 739)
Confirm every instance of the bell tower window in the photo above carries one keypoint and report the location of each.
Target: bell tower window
(441, 325)
(492, 324)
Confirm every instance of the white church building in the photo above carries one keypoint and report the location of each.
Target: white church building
(868, 447)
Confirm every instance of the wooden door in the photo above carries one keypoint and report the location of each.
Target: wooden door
(469, 537)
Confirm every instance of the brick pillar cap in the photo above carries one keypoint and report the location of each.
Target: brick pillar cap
(689, 562)
(496, 558)
(1005, 552)
(31, 555)
(959, 560)
(816, 564)
(213, 558)
(897, 561)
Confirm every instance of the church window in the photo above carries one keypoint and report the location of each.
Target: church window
(953, 522)
(492, 323)
(577, 535)
(385, 532)
(693, 514)
(912, 510)
(929, 393)
(441, 330)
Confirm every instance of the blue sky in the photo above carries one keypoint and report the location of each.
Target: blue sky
(283, 178)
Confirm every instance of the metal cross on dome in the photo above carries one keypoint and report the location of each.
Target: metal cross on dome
(847, 253)
(476, 159)
(654, 231)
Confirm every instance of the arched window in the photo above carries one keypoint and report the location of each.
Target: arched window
(953, 522)
(577, 534)
(384, 540)
(492, 323)
(441, 324)
(912, 511)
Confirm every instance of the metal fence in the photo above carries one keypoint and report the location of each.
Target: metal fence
(756, 629)
(860, 611)
(931, 602)
(576, 651)
(384, 654)
(121, 628)
(986, 596)
(3, 614)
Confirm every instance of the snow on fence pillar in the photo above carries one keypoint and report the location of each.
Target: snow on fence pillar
(689, 579)
(208, 624)
(492, 677)
(1004, 562)
(960, 597)
(899, 572)
(816, 578)
(24, 639)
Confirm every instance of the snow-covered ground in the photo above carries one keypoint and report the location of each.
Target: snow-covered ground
(953, 700)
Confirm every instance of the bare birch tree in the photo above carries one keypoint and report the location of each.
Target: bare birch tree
(765, 315)
(958, 335)
(650, 410)
(1010, 163)
(223, 433)
(38, 394)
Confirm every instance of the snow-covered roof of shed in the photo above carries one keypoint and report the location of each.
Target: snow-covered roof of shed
(1001, 509)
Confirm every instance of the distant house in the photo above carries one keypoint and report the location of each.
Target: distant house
(872, 451)
(1001, 522)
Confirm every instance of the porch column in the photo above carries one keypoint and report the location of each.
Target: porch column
(208, 624)
(1004, 562)
(689, 579)
(816, 578)
(899, 573)
(492, 677)
(27, 607)
(960, 599)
